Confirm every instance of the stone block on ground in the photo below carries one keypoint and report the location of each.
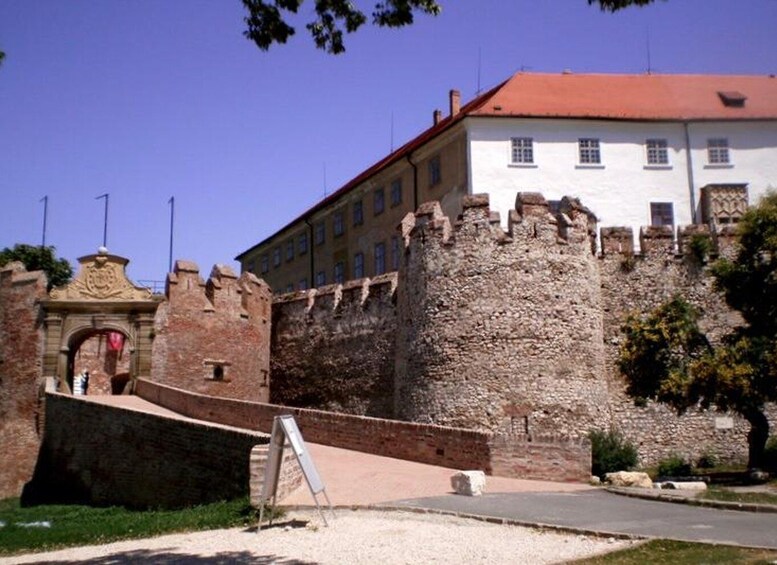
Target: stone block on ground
(629, 479)
(469, 483)
(683, 485)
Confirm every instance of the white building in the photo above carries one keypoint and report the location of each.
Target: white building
(636, 149)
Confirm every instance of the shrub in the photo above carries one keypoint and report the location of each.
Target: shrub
(707, 460)
(770, 455)
(610, 452)
(674, 466)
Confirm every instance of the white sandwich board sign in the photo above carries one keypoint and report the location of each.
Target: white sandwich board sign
(284, 428)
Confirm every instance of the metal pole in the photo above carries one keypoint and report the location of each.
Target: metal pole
(45, 201)
(172, 220)
(105, 223)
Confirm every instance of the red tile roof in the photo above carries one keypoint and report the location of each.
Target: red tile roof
(632, 97)
(593, 96)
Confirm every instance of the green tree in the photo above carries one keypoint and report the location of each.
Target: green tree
(665, 357)
(38, 258)
(267, 20)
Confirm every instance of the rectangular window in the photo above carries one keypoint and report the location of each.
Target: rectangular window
(302, 244)
(290, 250)
(378, 202)
(290, 287)
(435, 171)
(717, 151)
(589, 151)
(358, 265)
(303, 284)
(522, 150)
(339, 223)
(396, 192)
(251, 267)
(320, 233)
(657, 152)
(395, 253)
(339, 272)
(380, 258)
(264, 263)
(276, 257)
(661, 214)
(358, 213)
(320, 278)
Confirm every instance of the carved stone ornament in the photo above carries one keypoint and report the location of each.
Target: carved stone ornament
(101, 277)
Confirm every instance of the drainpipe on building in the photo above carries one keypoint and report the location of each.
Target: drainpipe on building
(311, 280)
(689, 166)
(415, 181)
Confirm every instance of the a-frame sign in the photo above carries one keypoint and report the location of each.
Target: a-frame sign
(284, 428)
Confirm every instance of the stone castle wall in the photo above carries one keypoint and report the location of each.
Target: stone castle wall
(213, 337)
(21, 353)
(518, 332)
(333, 348)
(501, 331)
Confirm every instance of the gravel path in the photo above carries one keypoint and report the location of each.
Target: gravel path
(353, 537)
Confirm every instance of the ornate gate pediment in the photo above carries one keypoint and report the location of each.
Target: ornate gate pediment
(100, 298)
(102, 277)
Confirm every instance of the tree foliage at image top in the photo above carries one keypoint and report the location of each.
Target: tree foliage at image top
(615, 5)
(267, 23)
(38, 258)
(267, 20)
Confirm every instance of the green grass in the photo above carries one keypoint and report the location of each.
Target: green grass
(73, 525)
(732, 496)
(680, 552)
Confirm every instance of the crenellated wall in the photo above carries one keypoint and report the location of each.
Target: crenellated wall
(333, 348)
(514, 332)
(638, 284)
(213, 336)
(501, 331)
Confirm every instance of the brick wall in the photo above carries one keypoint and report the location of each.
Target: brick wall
(214, 337)
(290, 476)
(333, 348)
(456, 448)
(104, 455)
(21, 351)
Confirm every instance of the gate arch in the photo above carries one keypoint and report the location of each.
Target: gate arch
(100, 299)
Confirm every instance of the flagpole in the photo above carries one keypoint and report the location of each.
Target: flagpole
(172, 220)
(45, 201)
(105, 223)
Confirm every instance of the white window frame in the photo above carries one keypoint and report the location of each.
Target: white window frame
(670, 206)
(657, 152)
(522, 151)
(589, 152)
(718, 152)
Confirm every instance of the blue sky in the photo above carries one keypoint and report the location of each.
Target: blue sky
(149, 99)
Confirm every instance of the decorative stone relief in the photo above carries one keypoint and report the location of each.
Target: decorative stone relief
(102, 277)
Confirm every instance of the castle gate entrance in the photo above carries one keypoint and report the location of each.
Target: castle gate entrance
(101, 323)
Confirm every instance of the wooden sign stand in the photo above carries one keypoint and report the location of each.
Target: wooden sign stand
(284, 428)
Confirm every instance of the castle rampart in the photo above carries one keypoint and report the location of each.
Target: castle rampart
(333, 348)
(213, 336)
(518, 331)
(501, 331)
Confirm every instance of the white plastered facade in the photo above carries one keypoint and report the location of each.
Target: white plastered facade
(621, 188)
